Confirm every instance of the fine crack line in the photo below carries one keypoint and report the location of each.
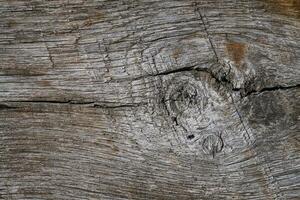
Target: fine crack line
(241, 119)
(50, 56)
(52, 101)
(70, 102)
(273, 88)
(206, 31)
(183, 69)
(134, 105)
(6, 107)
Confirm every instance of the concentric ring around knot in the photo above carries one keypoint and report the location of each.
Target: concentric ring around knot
(185, 96)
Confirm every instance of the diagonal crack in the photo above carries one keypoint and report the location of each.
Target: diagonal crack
(240, 118)
(50, 57)
(197, 10)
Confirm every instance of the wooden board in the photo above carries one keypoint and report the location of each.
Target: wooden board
(146, 99)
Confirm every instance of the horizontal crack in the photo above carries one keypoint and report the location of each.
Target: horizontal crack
(6, 107)
(190, 68)
(134, 105)
(273, 88)
(222, 80)
(183, 69)
(71, 102)
(51, 101)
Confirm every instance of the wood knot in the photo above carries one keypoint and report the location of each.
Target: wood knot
(184, 96)
(212, 144)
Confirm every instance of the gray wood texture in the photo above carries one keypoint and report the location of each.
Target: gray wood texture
(149, 99)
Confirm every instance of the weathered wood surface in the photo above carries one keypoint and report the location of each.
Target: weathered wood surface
(145, 99)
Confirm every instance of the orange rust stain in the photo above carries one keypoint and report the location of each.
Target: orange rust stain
(236, 51)
(290, 8)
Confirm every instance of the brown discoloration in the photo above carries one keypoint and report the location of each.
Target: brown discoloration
(262, 40)
(32, 192)
(258, 174)
(290, 8)
(262, 180)
(11, 23)
(292, 144)
(194, 35)
(176, 53)
(23, 72)
(44, 83)
(93, 19)
(25, 148)
(236, 51)
(113, 147)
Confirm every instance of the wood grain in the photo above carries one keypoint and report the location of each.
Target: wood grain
(147, 99)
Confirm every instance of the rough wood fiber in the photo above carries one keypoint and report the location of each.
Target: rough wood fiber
(146, 99)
